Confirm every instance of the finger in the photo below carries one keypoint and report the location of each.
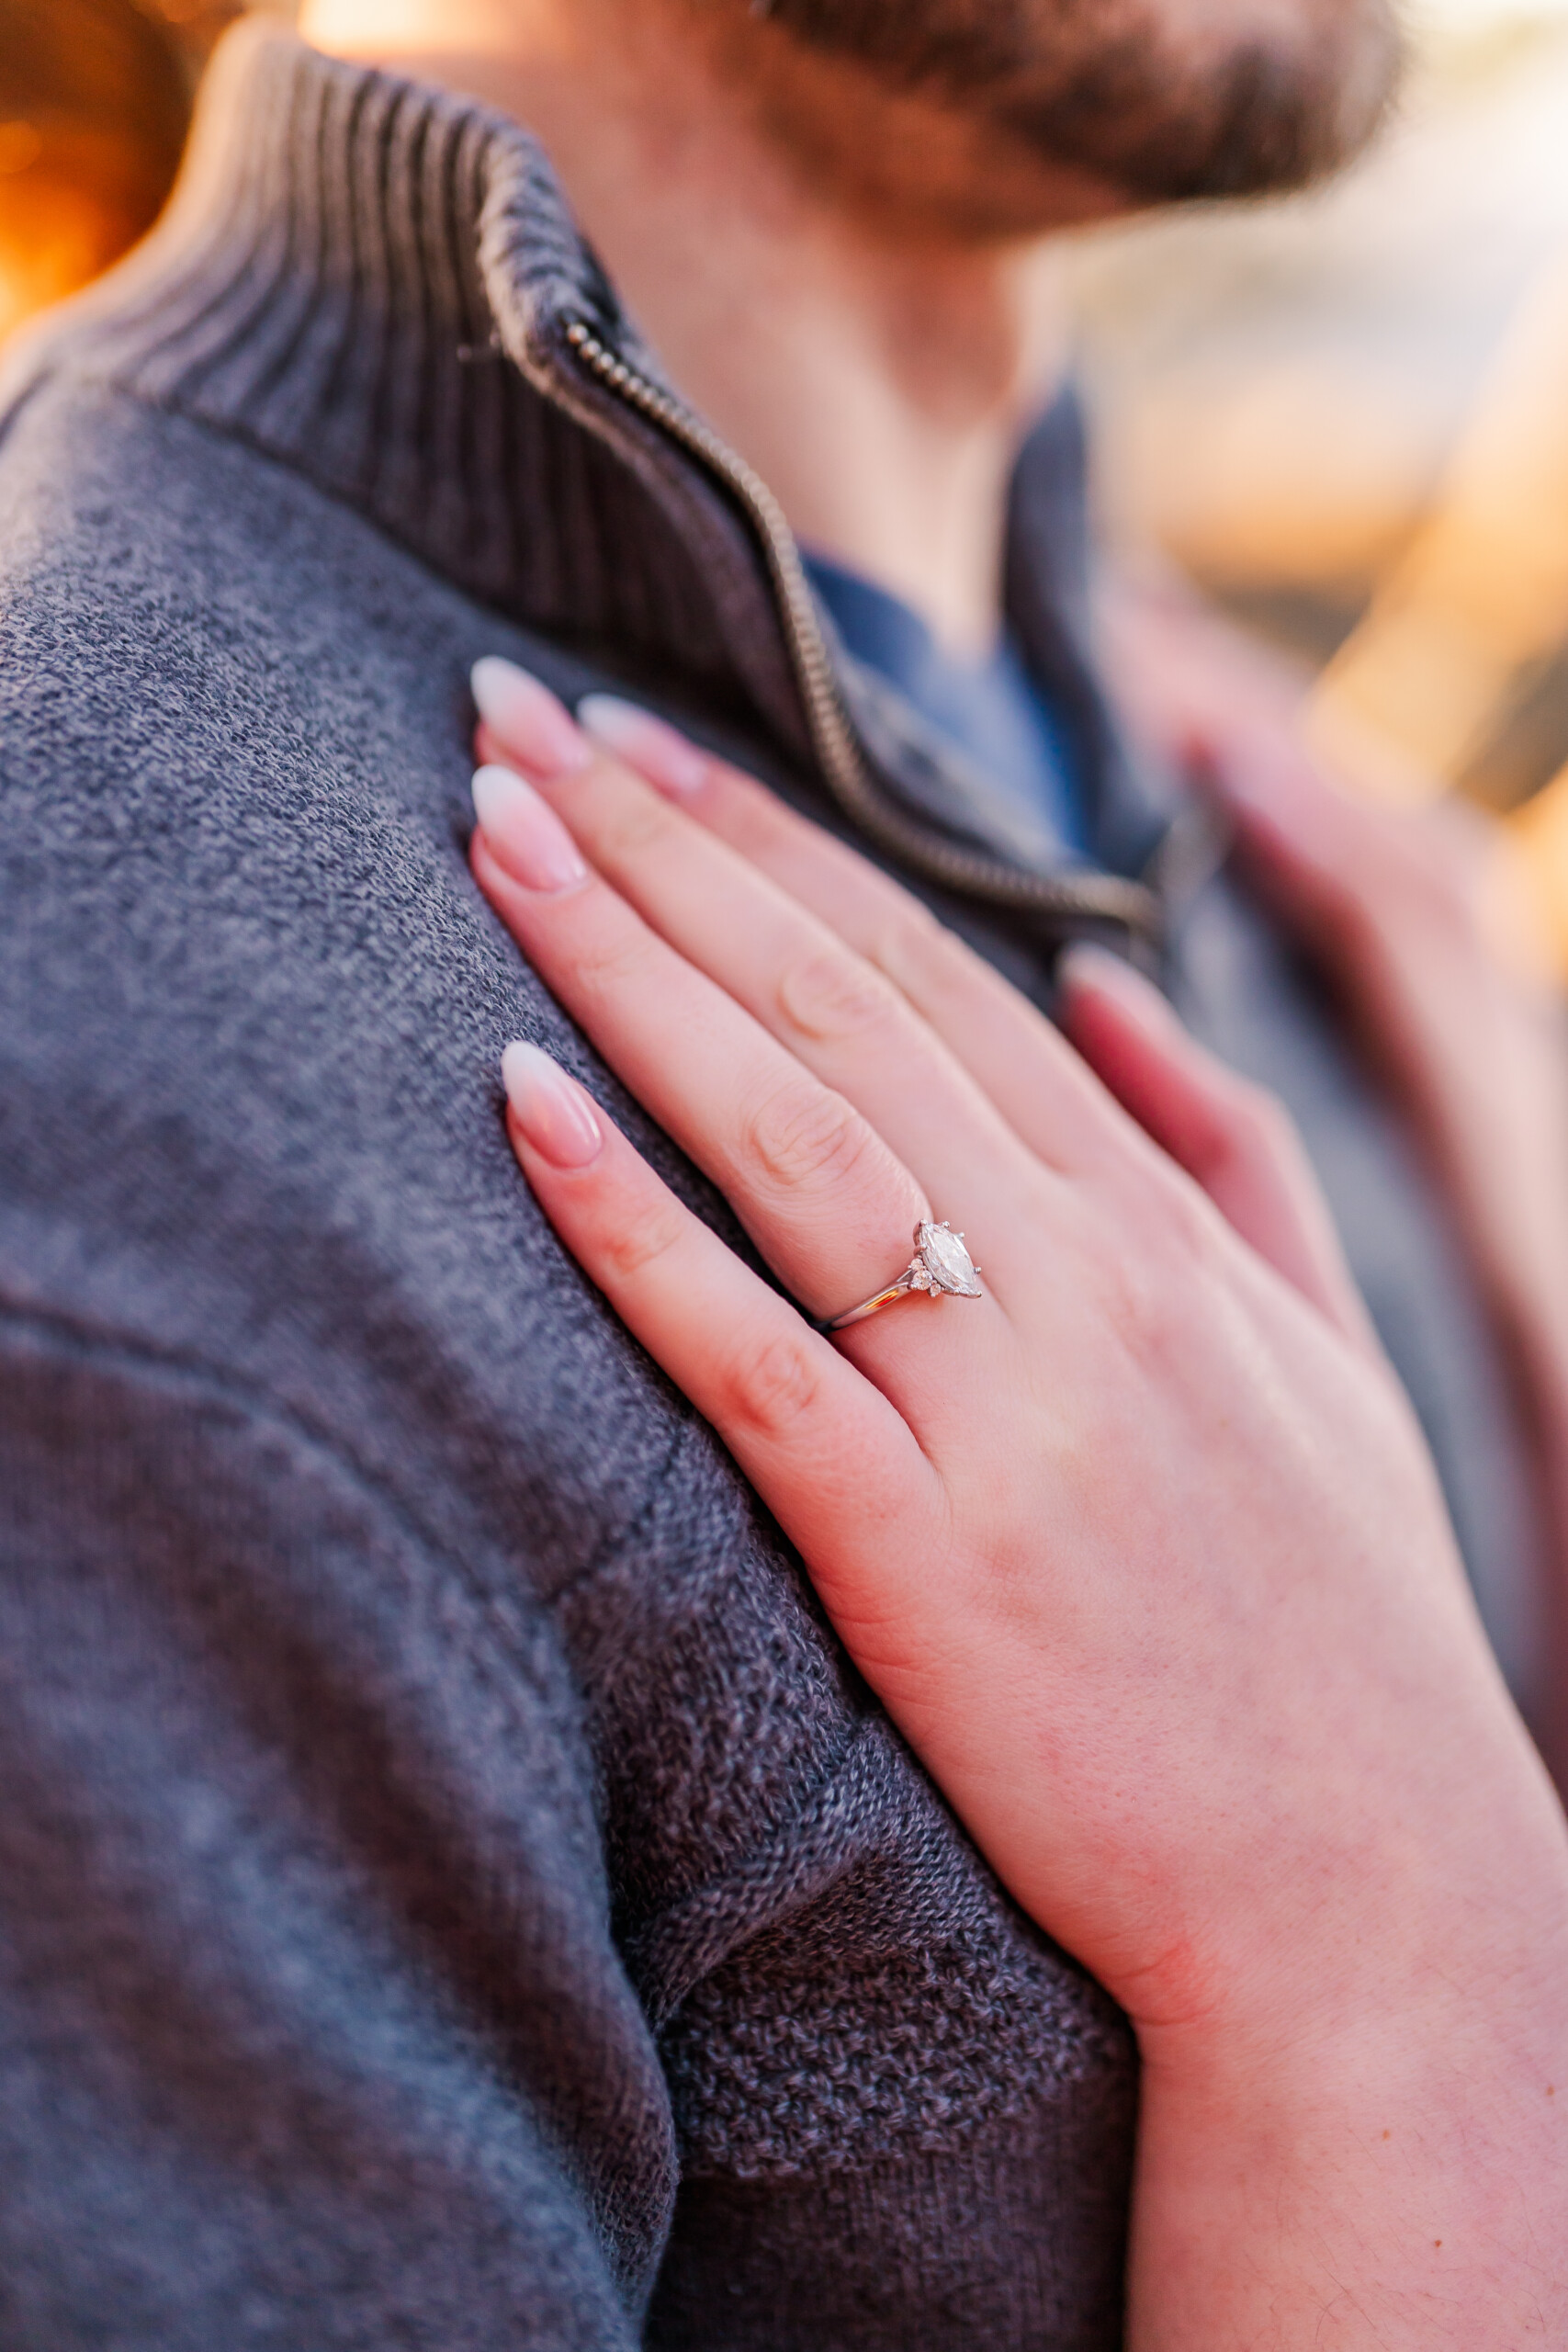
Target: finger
(1340, 865)
(1295, 828)
(829, 1205)
(835, 1013)
(1232, 1138)
(840, 1017)
(1011, 1050)
(998, 1048)
(826, 1450)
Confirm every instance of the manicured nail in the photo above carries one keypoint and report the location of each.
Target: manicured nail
(530, 720)
(527, 837)
(554, 1113)
(1085, 965)
(657, 752)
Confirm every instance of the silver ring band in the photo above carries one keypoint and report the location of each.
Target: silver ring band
(941, 1266)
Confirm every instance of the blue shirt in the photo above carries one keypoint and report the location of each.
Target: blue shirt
(990, 711)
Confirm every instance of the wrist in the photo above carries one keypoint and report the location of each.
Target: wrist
(1377, 2010)
(1424, 1863)
(1390, 2173)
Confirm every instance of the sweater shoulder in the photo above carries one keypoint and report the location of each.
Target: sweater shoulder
(252, 1005)
(115, 509)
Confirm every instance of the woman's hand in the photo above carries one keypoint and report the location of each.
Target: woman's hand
(1418, 917)
(1141, 1549)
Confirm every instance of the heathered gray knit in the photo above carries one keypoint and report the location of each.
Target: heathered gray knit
(453, 1890)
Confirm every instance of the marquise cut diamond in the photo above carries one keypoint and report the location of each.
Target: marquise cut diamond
(947, 1261)
(941, 1266)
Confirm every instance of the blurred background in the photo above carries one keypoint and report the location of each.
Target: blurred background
(1345, 417)
(93, 97)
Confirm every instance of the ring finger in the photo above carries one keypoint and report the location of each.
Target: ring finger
(816, 993)
(827, 1203)
(818, 1002)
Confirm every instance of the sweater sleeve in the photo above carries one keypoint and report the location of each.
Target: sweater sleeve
(311, 2032)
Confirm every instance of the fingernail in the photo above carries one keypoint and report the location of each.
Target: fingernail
(1085, 965)
(554, 1113)
(527, 836)
(657, 750)
(532, 722)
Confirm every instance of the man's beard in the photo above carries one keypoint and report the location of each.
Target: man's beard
(1109, 87)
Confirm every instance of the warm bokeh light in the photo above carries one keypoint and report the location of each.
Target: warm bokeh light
(68, 210)
(1348, 416)
(1480, 599)
(94, 100)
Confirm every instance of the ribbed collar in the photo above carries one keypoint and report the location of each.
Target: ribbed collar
(373, 282)
(383, 288)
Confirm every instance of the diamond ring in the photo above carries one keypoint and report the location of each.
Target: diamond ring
(940, 1263)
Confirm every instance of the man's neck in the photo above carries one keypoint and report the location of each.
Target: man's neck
(878, 379)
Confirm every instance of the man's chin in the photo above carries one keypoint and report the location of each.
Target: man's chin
(1105, 110)
(1262, 122)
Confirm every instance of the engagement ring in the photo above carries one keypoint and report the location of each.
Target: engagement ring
(940, 1263)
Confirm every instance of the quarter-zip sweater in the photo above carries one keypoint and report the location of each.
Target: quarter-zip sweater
(453, 1890)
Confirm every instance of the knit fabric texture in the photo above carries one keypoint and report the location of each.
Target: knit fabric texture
(453, 1890)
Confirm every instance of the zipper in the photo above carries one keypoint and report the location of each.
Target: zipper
(1065, 898)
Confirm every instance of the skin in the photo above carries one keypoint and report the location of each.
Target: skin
(802, 240)
(778, 288)
(932, 354)
(1226, 1728)
(1416, 921)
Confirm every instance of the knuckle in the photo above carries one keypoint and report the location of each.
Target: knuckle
(632, 825)
(755, 822)
(1137, 1299)
(1165, 1252)
(831, 995)
(772, 1384)
(611, 961)
(910, 945)
(628, 1247)
(1153, 1295)
(803, 1134)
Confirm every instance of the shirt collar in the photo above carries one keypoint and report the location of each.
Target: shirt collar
(384, 288)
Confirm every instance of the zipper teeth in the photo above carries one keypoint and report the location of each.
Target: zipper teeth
(1105, 897)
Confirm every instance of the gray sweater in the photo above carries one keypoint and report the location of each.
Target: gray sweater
(454, 1891)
